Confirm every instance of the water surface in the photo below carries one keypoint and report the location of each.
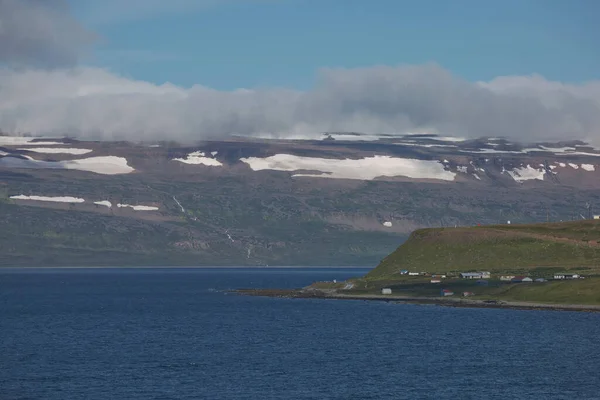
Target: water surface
(174, 334)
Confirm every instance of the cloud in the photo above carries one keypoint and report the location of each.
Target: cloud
(40, 33)
(96, 104)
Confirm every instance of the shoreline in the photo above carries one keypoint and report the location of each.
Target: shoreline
(439, 301)
(183, 267)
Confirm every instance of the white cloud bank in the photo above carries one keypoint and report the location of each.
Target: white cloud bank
(92, 103)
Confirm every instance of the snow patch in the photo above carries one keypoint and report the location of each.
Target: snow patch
(214, 153)
(105, 203)
(198, 157)
(387, 224)
(364, 169)
(138, 208)
(574, 166)
(425, 145)
(56, 150)
(59, 199)
(527, 173)
(588, 167)
(109, 165)
(461, 168)
(562, 164)
(579, 153)
(477, 177)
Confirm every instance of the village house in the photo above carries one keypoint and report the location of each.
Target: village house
(485, 274)
(386, 291)
(404, 272)
(413, 274)
(506, 278)
(471, 275)
(446, 292)
(519, 279)
(438, 276)
(435, 280)
(467, 294)
(567, 276)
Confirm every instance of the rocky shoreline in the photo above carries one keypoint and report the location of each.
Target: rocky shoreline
(440, 301)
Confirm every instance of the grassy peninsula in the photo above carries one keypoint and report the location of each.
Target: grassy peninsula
(532, 266)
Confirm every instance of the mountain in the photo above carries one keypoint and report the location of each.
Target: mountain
(341, 199)
(496, 248)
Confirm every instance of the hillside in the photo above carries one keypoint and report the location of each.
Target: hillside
(497, 248)
(344, 200)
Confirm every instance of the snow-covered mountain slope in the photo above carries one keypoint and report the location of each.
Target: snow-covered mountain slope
(334, 199)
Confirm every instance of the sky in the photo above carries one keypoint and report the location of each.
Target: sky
(231, 44)
(195, 69)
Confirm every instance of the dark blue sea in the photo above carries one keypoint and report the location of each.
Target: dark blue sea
(175, 334)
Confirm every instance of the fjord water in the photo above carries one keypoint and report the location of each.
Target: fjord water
(176, 334)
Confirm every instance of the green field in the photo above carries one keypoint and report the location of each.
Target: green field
(518, 249)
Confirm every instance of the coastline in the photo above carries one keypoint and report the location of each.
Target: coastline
(440, 301)
(183, 267)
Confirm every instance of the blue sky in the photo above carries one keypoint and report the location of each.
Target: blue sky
(227, 44)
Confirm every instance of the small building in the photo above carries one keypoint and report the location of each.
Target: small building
(596, 216)
(438, 276)
(519, 279)
(506, 278)
(446, 292)
(470, 275)
(386, 291)
(413, 274)
(467, 294)
(540, 280)
(404, 272)
(485, 274)
(435, 280)
(567, 276)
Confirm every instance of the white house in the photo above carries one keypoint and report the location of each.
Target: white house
(470, 275)
(386, 291)
(413, 273)
(506, 277)
(485, 274)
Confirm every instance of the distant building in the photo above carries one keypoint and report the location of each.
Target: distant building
(446, 292)
(540, 280)
(471, 275)
(413, 274)
(386, 291)
(438, 276)
(506, 277)
(467, 294)
(519, 279)
(485, 274)
(435, 280)
(567, 276)
(404, 272)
